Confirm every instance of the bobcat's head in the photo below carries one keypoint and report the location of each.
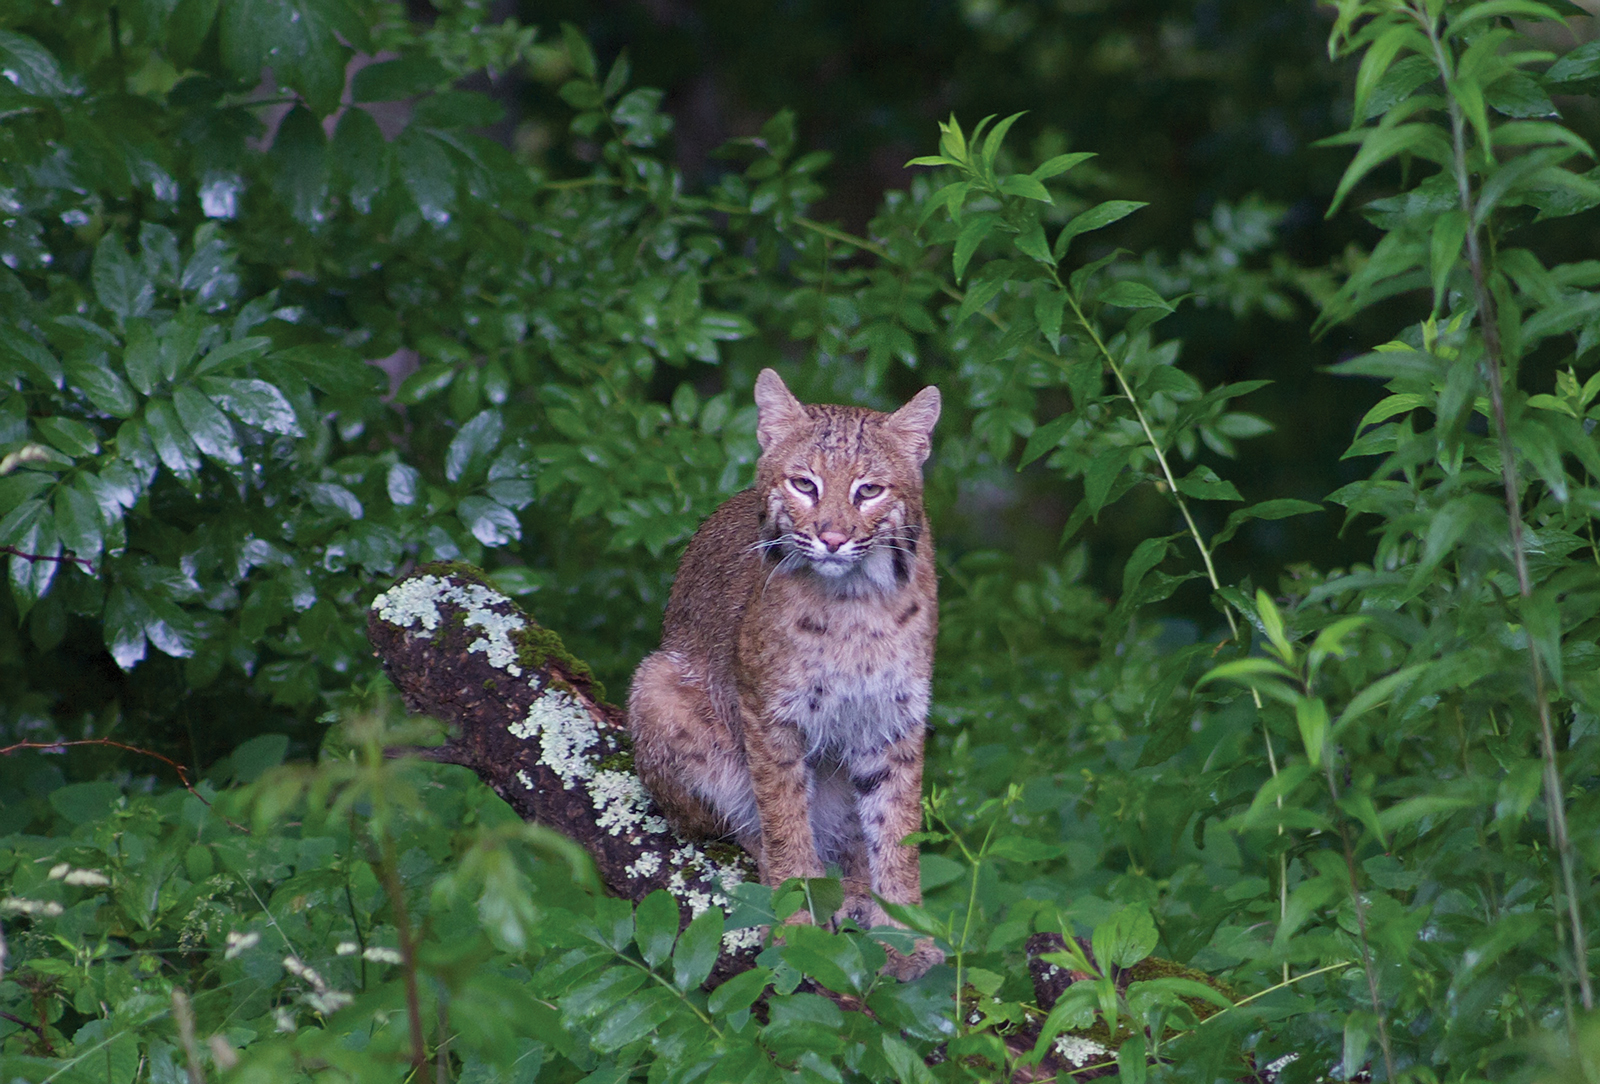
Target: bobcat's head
(842, 486)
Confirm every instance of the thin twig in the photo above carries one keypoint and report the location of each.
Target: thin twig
(183, 773)
(30, 557)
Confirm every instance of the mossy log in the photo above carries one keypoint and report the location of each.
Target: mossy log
(528, 718)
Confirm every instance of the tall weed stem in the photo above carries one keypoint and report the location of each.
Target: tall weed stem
(1556, 814)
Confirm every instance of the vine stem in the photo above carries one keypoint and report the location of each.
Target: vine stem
(1488, 323)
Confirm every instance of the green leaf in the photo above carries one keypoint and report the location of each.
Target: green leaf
(68, 435)
(213, 434)
(37, 362)
(1203, 484)
(254, 402)
(1045, 438)
(635, 1018)
(1132, 1060)
(403, 483)
(299, 166)
(31, 528)
(1127, 294)
(92, 374)
(1311, 716)
(1026, 187)
(457, 109)
(77, 517)
(119, 282)
(1388, 407)
(230, 355)
(1048, 307)
(187, 29)
(907, 1066)
(739, 992)
(1378, 145)
(1096, 217)
(124, 623)
(427, 173)
(698, 949)
(172, 441)
(656, 926)
(471, 448)
(971, 236)
(1124, 939)
(979, 294)
(361, 157)
(1031, 243)
(578, 51)
(1101, 474)
(396, 80)
(1054, 167)
(490, 522)
(31, 68)
(991, 145)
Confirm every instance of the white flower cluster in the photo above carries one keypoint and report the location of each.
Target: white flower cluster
(321, 999)
(623, 804)
(16, 905)
(1278, 1066)
(63, 871)
(1078, 1050)
(376, 953)
(240, 942)
(416, 601)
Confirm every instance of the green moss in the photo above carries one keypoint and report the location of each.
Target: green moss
(537, 646)
(1154, 967)
(724, 854)
(621, 761)
(490, 685)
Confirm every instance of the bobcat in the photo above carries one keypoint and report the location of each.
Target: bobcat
(787, 704)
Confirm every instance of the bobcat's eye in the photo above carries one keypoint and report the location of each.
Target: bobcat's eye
(803, 486)
(867, 491)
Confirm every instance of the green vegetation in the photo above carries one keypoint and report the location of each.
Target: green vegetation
(1362, 797)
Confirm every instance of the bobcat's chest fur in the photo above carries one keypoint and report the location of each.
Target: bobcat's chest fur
(852, 674)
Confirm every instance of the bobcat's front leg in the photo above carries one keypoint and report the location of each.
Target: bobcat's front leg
(890, 805)
(776, 753)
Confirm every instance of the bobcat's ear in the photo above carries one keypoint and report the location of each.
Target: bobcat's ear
(914, 422)
(777, 410)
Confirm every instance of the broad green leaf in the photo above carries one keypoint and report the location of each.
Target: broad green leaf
(471, 448)
(635, 1018)
(1378, 145)
(404, 483)
(427, 173)
(172, 441)
(655, 926)
(698, 949)
(254, 402)
(1203, 484)
(578, 51)
(1101, 474)
(92, 374)
(397, 80)
(119, 282)
(213, 434)
(490, 522)
(233, 354)
(68, 435)
(361, 157)
(1026, 187)
(77, 518)
(1124, 939)
(31, 68)
(299, 166)
(36, 360)
(1389, 406)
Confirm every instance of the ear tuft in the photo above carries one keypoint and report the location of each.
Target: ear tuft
(777, 410)
(915, 421)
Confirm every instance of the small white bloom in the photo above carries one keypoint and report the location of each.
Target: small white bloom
(240, 942)
(347, 948)
(380, 955)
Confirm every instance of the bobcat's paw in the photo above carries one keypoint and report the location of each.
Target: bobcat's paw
(905, 968)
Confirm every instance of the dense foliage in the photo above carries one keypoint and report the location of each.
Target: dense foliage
(1363, 797)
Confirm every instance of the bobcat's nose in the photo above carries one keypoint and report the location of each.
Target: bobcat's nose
(833, 540)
